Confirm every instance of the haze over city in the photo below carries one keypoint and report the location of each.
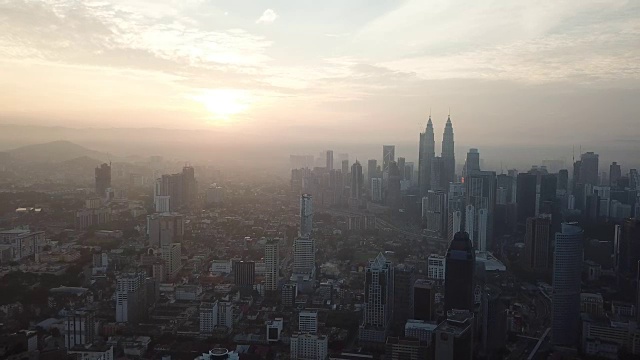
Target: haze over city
(294, 77)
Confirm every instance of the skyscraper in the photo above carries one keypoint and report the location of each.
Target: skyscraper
(481, 194)
(404, 278)
(589, 168)
(455, 209)
(563, 180)
(537, 244)
(130, 297)
(459, 271)
(454, 337)
(401, 164)
(434, 211)
(388, 155)
(345, 167)
(171, 255)
(356, 181)
(615, 173)
(376, 189)
(424, 300)
(393, 186)
(448, 152)
(426, 153)
(304, 256)
(103, 179)
(329, 160)
(439, 179)
(306, 214)
(473, 161)
(189, 186)
(164, 229)
(372, 170)
(272, 264)
(378, 301)
(567, 270)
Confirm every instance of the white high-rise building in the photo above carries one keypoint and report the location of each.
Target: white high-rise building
(272, 264)
(308, 321)
(305, 346)
(130, 297)
(436, 267)
(455, 224)
(304, 256)
(469, 221)
(208, 317)
(306, 214)
(434, 210)
(171, 254)
(378, 297)
(376, 189)
(482, 229)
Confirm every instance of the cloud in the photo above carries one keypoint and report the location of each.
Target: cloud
(268, 16)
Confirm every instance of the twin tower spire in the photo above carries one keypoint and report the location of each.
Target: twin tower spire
(435, 173)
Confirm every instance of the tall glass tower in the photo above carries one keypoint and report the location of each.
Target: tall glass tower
(459, 269)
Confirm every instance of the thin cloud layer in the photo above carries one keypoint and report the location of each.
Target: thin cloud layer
(268, 16)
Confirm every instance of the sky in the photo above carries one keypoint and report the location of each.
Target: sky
(509, 73)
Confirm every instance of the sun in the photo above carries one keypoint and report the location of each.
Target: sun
(223, 104)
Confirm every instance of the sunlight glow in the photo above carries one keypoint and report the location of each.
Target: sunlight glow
(224, 103)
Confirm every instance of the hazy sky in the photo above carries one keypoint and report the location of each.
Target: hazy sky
(364, 71)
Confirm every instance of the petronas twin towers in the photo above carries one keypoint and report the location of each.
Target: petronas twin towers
(436, 172)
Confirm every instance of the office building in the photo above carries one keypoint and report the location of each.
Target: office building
(480, 194)
(494, 321)
(393, 187)
(567, 271)
(308, 321)
(589, 169)
(388, 155)
(345, 167)
(164, 229)
(397, 348)
(378, 302)
(171, 255)
(436, 266)
(289, 294)
(208, 317)
(426, 153)
(213, 195)
(272, 264)
(537, 244)
(473, 162)
(563, 180)
(304, 256)
(306, 214)
(329, 160)
(274, 329)
(448, 152)
(305, 346)
(86, 218)
(455, 209)
(421, 330)
(460, 265)
(629, 246)
(244, 273)
(615, 173)
(454, 337)
(356, 181)
(403, 278)
(434, 212)
(376, 189)
(181, 190)
(130, 297)
(401, 166)
(424, 300)
(372, 170)
(79, 328)
(103, 179)
(592, 304)
(439, 180)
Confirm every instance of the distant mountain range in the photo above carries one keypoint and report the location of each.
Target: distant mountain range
(57, 151)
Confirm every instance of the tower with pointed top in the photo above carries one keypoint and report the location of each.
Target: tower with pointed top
(448, 154)
(426, 153)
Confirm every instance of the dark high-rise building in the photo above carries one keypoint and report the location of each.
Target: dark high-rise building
(563, 179)
(567, 271)
(393, 186)
(378, 301)
(537, 243)
(615, 173)
(480, 211)
(438, 175)
(403, 278)
(473, 161)
(629, 245)
(426, 153)
(508, 183)
(459, 271)
(103, 179)
(356, 181)
(329, 162)
(589, 168)
(424, 300)
(189, 186)
(448, 152)
(401, 164)
(388, 155)
(244, 273)
(494, 321)
(536, 194)
(397, 348)
(454, 337)
(372, 170)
